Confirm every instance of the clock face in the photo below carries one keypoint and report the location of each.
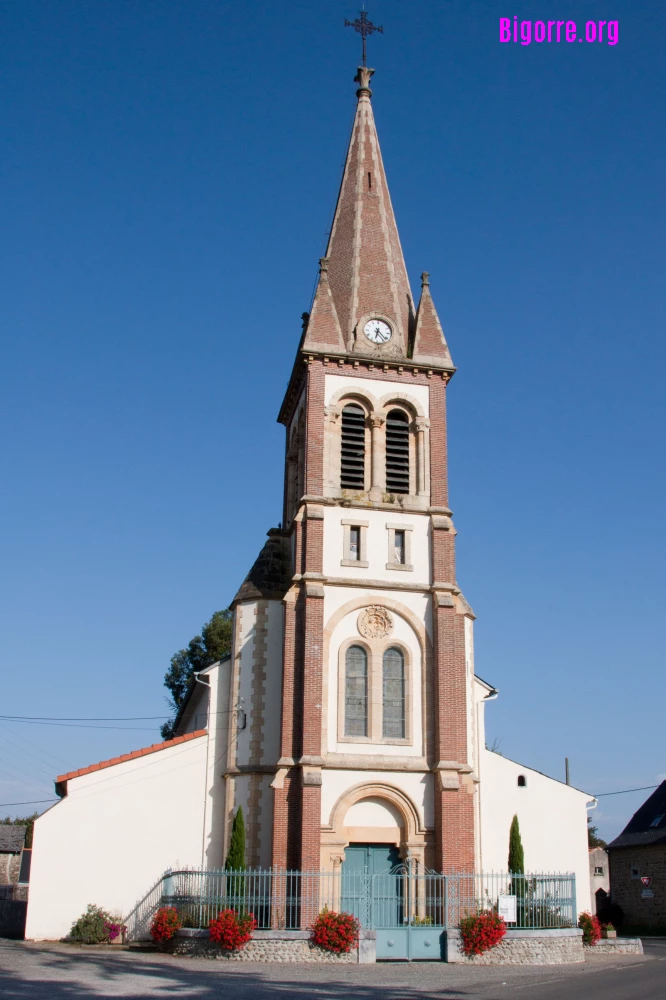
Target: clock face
(377, 331)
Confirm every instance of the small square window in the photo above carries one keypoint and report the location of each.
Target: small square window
(657, 820)
(598, 870)
(635, 871)
(354, 544)
(399, 546)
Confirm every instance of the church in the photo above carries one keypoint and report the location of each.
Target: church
(348, 720)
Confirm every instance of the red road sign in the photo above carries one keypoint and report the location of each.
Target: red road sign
(646, 879)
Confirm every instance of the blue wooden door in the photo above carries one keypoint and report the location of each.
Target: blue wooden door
(373, 892)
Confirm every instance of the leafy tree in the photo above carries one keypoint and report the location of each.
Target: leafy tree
(593, 840)
(236, 856)
(28, 821)
(213, 643)
(516, 852)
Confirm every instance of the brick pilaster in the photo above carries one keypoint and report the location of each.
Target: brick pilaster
(314, 430)
(454, 799)
(439, 486)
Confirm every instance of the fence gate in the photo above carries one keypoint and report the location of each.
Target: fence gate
(405, 907)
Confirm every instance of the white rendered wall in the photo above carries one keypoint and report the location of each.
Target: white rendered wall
(376, 390)
(272, 669)
(416, 786)
(419, 604)
(114, 834)
(373, 812)
(552, 817)
(403, 635)
(377, 545)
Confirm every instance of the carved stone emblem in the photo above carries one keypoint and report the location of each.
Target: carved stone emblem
(375, 622)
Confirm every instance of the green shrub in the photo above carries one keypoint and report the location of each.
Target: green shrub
(92, 927)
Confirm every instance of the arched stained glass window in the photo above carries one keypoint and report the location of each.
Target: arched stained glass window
(393, 694)
(356, 692)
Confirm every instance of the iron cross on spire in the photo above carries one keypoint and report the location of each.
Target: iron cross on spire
(365, 27)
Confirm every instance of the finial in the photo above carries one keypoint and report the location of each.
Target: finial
(365, 27)
(425, 279)
(323, 264)
(363, 78)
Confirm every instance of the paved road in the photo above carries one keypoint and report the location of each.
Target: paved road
(57, 972)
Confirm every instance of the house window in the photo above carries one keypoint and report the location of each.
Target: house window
(354, 543)
(352, 451)
(397, 452)
(635, 871)
(522, 781)
(598, 870)
(399, 548)
(657, 820)
(356, 692)
(393, 695)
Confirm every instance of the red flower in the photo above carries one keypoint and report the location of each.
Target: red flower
(335, 931)
(232, 930)
(481, 932)
(165, 924)
(591, 928)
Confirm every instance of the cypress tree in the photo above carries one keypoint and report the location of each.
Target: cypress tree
(236, 856)
(516, 852)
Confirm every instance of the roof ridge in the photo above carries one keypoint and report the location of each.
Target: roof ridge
(142, 752)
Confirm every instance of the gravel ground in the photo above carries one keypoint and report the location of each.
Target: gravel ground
(30, 971)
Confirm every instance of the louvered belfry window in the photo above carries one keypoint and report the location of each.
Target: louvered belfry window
(397, 452)
(352, 475)
(356, 692)
(393, 694)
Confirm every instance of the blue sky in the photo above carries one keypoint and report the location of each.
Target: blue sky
(168, 174)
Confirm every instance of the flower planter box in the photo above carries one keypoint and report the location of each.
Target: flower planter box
(608, 934)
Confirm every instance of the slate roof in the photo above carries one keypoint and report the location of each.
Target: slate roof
(12, 838)
(270, 577)
(639, 831)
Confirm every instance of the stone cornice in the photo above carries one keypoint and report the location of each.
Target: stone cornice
(397, 369)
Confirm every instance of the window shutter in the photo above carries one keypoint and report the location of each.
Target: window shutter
(352, 464)
(397, 452)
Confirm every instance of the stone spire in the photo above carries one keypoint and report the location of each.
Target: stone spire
(364, 275)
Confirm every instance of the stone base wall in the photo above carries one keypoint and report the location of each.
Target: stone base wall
(555, 947)
(272, 946)
(616, 946)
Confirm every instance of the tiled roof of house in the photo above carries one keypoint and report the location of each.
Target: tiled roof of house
(144, 751)
(12, 838)
(648, 825)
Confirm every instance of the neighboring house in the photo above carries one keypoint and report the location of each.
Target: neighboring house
(348, 717)
(14, 876)
(638, 864)
(12, 839)
(599, 877)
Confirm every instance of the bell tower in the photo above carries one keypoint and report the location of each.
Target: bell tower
(377, 732)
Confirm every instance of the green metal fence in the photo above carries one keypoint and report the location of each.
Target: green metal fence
(405, 897)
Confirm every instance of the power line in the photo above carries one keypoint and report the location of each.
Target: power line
(31, 802)
(77, 725)
(83, 718)
(625, 791)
